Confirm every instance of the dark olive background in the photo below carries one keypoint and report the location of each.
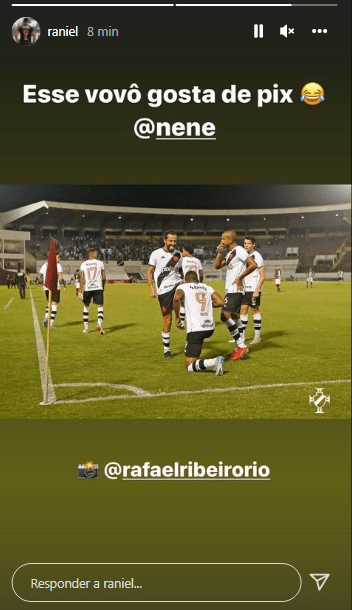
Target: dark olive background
(178, 48)
(300, 517)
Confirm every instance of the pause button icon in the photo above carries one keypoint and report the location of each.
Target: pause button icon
(258, 30)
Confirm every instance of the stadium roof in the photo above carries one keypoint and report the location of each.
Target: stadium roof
(21, 212)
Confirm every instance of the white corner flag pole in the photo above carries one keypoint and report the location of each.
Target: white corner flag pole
(46, 400)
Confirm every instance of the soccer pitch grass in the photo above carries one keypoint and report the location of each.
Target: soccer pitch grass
(305, 345)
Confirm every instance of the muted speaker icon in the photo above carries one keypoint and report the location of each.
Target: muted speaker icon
(285, 30)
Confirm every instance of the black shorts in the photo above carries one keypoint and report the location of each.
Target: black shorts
(166, 301)
(96, 295)
(194, 342)
(247, 300)
(233, 302)
(55, 297)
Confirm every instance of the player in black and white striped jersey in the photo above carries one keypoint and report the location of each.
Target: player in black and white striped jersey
(238, 265)
(165, 268)
(253, 286)
(55, 295)
(199, 300)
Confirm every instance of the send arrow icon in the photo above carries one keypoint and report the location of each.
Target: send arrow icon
(320, 579)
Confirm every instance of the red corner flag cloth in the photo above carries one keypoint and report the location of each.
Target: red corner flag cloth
(51, 272)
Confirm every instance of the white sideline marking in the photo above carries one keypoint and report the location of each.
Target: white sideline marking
(139, 393)
(9, 303)
(42, 356)
(132, 388)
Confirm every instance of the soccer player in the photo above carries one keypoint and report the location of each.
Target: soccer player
(309, 277)
(199, 300)
(77, 280)
(253, 286)
(55, 297)
(277, 276)
(25, 34)
(239, 265)
(341, 276)
(21, 283)
(189, 263)
(165, 268)
(93, 277)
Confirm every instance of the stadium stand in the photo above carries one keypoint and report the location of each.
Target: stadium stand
(325, 247)
(345, 263)
(294, 238)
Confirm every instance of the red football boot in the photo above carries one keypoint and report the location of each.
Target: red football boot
(239, 353)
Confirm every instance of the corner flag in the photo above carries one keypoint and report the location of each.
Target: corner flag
(51, 284)
(51, 272)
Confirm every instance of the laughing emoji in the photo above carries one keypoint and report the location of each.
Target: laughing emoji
(312, 94)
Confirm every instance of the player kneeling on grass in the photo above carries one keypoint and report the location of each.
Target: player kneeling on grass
(199, 300)
(94, 277)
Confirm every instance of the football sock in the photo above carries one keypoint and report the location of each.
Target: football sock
(201, 365)
(85, 316)
(53, 314)
(257, 320)
(46, 312)
(244, 320)
(232, 326)
(182, 314)
(241, 328)
(209, 363)
(100, 316)
(166, 341)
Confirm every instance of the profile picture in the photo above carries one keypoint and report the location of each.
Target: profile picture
(26, 31)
